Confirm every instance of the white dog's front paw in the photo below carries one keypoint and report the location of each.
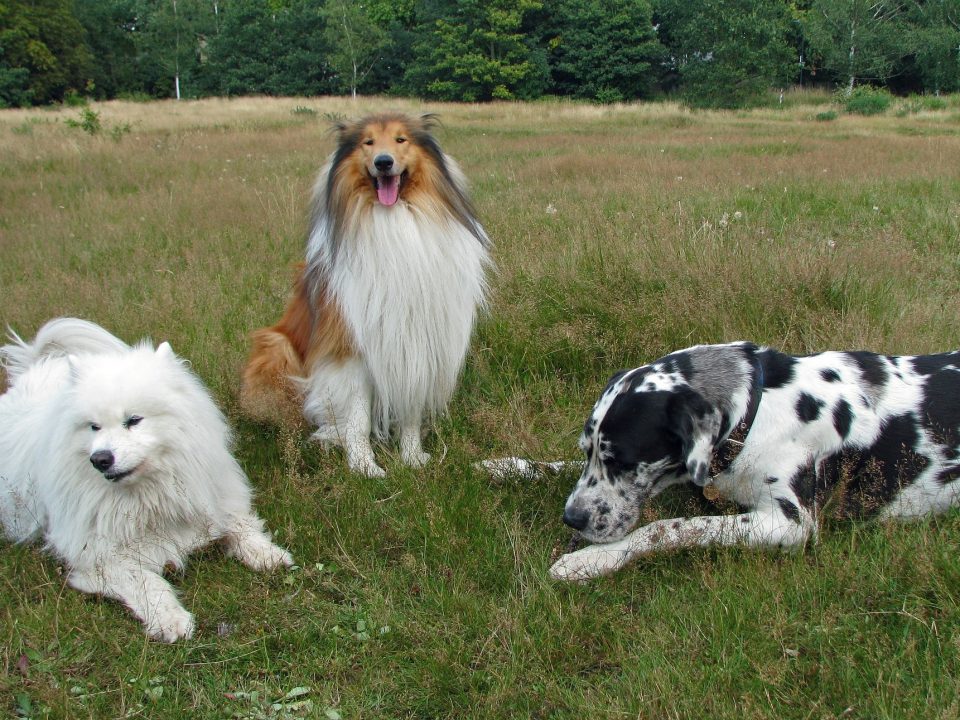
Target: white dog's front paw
(263, 556)
(170, 624)
(590, 562)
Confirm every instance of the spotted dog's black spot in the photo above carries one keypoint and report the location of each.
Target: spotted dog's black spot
(831, 376)
(679, 363)
(940, 406)
(675, 525)
(770, 480)
(808, 407)
(777, 368)
(789, 509)
(592, 482)
(872, 368)
(930, 364)
(603, 508)
(860, 482)
(842, 418)
(809, 485)
(622, 493)
(745, 520)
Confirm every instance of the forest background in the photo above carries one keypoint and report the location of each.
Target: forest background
(712, 53)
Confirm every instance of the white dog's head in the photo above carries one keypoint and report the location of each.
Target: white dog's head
(130, 412)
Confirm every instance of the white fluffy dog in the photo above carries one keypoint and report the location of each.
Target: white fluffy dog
(118, 458)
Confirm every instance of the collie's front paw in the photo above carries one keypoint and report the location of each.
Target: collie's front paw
(415, 458)
(366, 466)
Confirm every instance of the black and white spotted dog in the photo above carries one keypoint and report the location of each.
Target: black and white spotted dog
(849, 434)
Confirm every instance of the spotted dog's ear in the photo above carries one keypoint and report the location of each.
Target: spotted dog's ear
(697, 423)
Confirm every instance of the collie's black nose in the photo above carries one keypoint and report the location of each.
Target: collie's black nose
(383, 162)
(102, 460)
(577, 519)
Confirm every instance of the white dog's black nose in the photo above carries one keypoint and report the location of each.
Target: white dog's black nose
(383, 162)
(102, 460)
(575, 518)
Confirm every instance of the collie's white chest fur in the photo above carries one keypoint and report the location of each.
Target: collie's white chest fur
(409, 288)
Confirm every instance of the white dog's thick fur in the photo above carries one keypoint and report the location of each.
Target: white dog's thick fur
(119, 460)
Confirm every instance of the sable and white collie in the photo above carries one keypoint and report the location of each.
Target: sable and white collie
(377, 329)
(117, 458)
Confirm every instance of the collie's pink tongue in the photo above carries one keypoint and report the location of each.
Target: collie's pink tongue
(388, 189)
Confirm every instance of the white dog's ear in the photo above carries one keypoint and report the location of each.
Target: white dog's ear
(73, 368)
(697, 423)
(165, 351)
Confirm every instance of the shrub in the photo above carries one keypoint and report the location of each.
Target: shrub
(74, 99)
(608, 96)
(827, 115)
(866, 100)
(89, 121)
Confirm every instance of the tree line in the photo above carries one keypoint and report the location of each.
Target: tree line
(710, 53)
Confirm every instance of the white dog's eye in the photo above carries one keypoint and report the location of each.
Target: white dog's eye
(94, 427)
(131, 421)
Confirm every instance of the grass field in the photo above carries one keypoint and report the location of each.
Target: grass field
(621, 233)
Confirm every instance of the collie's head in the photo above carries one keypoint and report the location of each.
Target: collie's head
(389, 159)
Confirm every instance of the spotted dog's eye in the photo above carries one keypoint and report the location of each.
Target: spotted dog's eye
(94, 427)
(401, 140)
(131, 421)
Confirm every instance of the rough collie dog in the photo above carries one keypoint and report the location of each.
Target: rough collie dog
(119, 460)
(378, 327)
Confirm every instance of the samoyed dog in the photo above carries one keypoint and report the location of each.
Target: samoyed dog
(119, 460)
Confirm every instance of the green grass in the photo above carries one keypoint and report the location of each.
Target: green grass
(621, 233)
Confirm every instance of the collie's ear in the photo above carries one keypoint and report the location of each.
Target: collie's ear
(697, 423)
(429, 121)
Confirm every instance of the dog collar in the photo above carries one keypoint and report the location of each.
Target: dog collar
(731, 446)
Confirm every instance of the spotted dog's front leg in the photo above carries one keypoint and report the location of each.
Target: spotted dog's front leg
(758, 528)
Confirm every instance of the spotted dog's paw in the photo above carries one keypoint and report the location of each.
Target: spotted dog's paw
(590, 562)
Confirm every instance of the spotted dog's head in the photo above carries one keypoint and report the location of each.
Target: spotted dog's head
(650, 429)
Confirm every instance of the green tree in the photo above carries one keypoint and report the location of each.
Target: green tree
(275, 49)
(356, 41)
(109, 27)
(477, 50)
(42, 51)
(171, 37)
(935, 41)
(606, 49)
(726, 53)
(857, 40)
